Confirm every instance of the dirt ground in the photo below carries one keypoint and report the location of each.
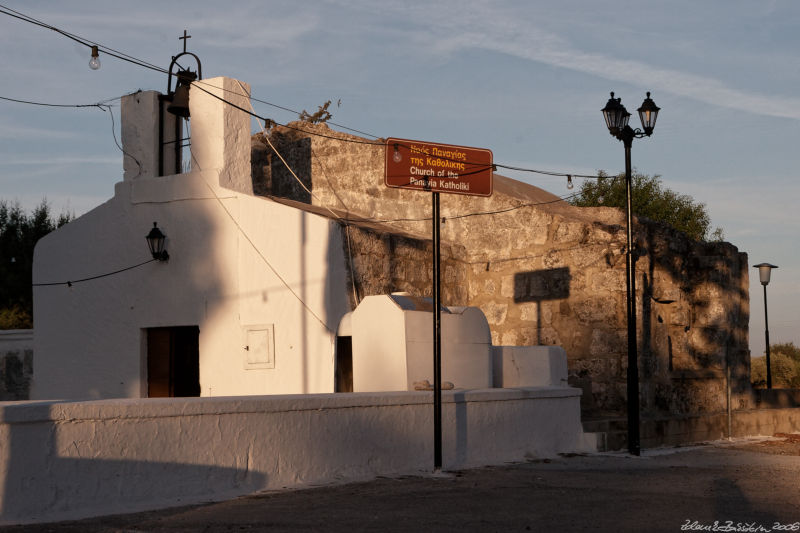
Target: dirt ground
(742, 485)
(780, 444)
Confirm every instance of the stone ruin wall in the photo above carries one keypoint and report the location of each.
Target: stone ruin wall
(16, 364)
(542, 274)
(385, 262)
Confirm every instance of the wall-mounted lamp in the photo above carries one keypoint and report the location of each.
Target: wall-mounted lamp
(94, 62)
(155, 241)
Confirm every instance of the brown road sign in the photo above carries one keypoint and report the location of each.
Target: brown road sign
(437, 167)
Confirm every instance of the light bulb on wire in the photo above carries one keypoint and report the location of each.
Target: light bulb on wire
(396, 157)
(94, 62)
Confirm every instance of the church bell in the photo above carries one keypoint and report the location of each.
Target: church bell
(180, 99)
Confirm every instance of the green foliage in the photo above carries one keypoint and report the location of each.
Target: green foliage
(15, 318)
(19, 233)
(786, 348)
(784, 362)
(320, 117)
(649, 198)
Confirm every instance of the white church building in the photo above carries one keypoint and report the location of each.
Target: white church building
(248, 302)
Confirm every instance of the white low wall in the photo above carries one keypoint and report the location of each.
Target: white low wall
(16, 339)
(68, 460)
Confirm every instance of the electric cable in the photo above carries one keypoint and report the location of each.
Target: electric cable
(377, 143)
(244, 234)
(73, 282)
(466, 215)
(266, 138)
(126, 57)
(107, 108)
(293, 111)
(85, 42)
(46, 104)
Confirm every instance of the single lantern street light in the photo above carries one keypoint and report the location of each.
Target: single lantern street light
(764, 271)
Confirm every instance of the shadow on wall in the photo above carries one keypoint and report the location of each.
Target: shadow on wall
(270, 175)
(53, 479)
(541, 285)
(691, 333)
(94, 458)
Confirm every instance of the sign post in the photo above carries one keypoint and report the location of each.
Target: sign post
(436, 168)
(437, 337)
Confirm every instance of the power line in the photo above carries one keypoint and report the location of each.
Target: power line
(107, 108)
(73, 282)
(466, 215)
(379, 143)
(283, 108)
(103, 105)
(126, 57)
(81, 40)
(46, 104)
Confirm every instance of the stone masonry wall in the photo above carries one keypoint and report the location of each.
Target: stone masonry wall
(385, 262)
(542, 271)
(16, 364)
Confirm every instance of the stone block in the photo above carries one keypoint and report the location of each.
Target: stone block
(607, 342)
(570, 232)
(529, 366)
(495, 313)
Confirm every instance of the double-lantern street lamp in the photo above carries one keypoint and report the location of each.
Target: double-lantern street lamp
(764, 271)
(617, 117)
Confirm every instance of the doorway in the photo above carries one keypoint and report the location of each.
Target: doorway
(173, 362)
(343, 373)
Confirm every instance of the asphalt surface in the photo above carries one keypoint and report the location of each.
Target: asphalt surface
(746, 485)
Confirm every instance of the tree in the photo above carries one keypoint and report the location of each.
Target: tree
(19, 233)
(649, 198)
(784, 362)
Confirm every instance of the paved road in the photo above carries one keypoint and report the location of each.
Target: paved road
(750, 483)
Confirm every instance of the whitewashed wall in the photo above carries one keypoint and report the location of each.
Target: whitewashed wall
(68, 460)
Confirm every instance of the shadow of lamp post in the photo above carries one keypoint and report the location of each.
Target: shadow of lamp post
(616, 117)
(764, 271)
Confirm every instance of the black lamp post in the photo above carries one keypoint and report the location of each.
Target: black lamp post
(764, 271)
(616, 117)
(155, 241)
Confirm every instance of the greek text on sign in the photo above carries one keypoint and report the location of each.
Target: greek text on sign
(438, 167)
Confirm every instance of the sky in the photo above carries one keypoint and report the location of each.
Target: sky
(526, 79)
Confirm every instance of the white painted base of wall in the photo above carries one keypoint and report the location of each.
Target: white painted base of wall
(70, 460)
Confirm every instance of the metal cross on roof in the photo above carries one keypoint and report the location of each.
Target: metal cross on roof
(184, 38)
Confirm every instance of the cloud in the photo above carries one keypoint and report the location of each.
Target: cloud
(17, 132)
(452, 28)
(699, 88)
(61, 161)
